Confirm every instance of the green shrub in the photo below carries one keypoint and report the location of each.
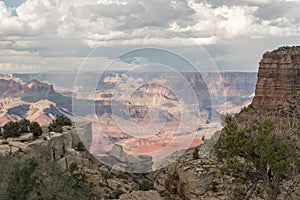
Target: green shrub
(30, 179)
(214, 186)
(36, 129)
(257, 150)
(73, 167)
(24, 124)
(146, 185)
(11, 129)
(57, 124)
(196, 153)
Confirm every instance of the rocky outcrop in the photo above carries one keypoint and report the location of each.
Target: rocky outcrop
(33, 89)
(192, 179)
(118, 159)
(64, 148)
(278, 78)
(9, 87)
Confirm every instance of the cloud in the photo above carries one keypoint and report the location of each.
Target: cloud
(47, 29)
(8, 67)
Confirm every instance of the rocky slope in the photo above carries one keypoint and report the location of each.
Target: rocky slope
(66, 149)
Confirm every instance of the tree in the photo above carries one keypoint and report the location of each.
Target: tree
(57, 124)
(256, 151)
(21, 179)
(36, 129)
(11, 129)
(30, 179)
(24, 124)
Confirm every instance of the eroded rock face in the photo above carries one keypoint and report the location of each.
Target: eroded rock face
(118, 159)
(191, 179)
(62, 148)
(278, 78)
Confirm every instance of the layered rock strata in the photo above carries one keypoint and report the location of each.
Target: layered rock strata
(278, 78)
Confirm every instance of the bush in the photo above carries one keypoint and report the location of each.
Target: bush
(214, 186)
(57, 124)
(146, 185)
(29, 178)
(257, 150)
(20, 180)
(15, 129)
(80, 147)
(196, 153)
(73, 167)
(11, 129)
(36, 129)
(24, 123)
(57, 129)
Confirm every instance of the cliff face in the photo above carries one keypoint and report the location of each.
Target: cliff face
(34, 89)
(9, 87)
(278, 78)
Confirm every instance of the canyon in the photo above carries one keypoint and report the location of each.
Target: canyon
(187, 178)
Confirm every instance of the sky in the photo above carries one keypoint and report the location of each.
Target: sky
(46, 35)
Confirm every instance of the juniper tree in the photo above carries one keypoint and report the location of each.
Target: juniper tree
(256, 151)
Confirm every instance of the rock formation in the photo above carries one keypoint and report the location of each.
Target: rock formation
(63, 148)
(34, 100)
(118, 159)
(278, 78)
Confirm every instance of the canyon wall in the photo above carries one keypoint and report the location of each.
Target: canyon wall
(278, 78)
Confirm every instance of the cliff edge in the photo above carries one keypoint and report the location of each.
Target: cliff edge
(278, 78)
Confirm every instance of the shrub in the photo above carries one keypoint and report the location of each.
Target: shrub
(29, 178)
(24, 123)
(57, 124)
(214, 186)
(73, 167)
(21, 179)
(196, 153)
(36, 129)
(11, 129)
(257, 151)
(146, 185)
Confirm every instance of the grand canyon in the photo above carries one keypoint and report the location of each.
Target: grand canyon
(30, 96)
(274, 94)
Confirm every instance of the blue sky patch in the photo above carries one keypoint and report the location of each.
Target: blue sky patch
(13, 3)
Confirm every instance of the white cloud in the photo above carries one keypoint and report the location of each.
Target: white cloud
(53, 28)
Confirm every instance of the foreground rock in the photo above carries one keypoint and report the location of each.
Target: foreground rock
(141, 195)
(67, 150)
(118, 159)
